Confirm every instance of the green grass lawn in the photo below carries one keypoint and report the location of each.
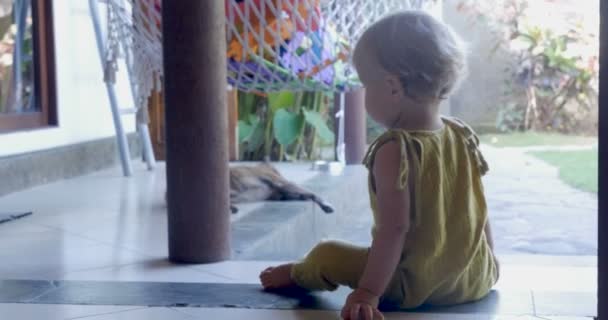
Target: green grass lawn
(530, 139)
(576, 168)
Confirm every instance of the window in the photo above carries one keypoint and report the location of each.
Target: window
(27, 73)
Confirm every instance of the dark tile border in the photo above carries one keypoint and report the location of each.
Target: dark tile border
(218, 295)
(7, 217)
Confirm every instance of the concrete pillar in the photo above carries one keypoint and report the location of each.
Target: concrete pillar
(603, 168)
(196, 123)
(355, 126)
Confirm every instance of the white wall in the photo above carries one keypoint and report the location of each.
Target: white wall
(83, 109)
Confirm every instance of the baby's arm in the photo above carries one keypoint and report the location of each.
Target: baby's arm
(392, 221)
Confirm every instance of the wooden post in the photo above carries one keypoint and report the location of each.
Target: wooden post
(335, 114)
(156, 109)
(233, 121)
(602, 312)
(196, 123)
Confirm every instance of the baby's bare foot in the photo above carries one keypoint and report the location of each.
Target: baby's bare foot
(277, 277)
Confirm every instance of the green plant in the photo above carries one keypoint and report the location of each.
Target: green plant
(556, 70)
(283, 125)
(510, 118)
(558, 83)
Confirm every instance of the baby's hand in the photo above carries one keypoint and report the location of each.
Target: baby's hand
(361, 304)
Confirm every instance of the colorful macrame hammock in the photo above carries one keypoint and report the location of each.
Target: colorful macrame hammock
(272, 45)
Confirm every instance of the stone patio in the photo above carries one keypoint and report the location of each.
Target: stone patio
(531, 210)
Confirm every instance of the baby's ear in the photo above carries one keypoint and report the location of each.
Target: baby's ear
(395, 86)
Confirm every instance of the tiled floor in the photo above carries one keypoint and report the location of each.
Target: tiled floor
(64, 312)
(106, 228)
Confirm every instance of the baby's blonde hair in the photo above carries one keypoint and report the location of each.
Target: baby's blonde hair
(424, 53)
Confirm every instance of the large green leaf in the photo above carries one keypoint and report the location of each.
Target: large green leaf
(287, 126)
(256, 138)
(316, 120)
(246, 105)
(247, 127)
(245, 131)
(281, 100)
(254, 119)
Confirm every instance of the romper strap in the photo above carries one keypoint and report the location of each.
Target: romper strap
(472, 142)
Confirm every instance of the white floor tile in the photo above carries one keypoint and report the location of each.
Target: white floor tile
(580, 304)
(237, 314)
(50, 254)
(254, 314)
(436, 316)
(547, 278)
(21, 228)
(146, 234)
(152, 270)
(567, 318)
(55, 312)
(145, 314)
(238, 271)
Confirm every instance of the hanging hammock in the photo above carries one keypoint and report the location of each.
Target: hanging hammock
(272, 45)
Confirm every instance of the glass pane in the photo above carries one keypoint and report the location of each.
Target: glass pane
(16, 57)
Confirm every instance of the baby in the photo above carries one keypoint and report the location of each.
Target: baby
(432, 242)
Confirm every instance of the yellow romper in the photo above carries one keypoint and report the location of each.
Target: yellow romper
(446, 257)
